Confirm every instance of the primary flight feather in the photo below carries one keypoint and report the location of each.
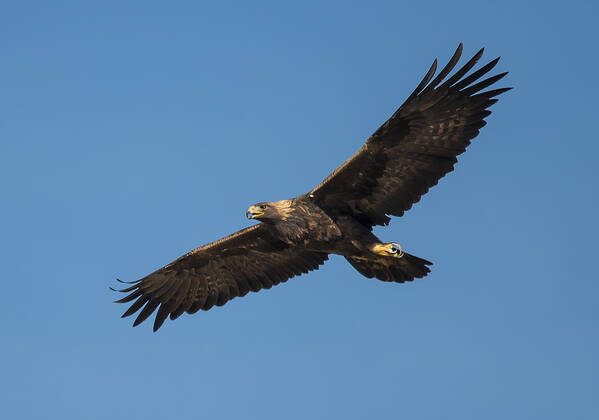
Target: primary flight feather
(405, 157)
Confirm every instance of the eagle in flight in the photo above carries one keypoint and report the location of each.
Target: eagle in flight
(405, 157)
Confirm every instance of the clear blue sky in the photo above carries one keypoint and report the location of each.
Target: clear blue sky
(132, 132)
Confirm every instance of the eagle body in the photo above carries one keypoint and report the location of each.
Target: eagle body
(300, 222)
(400, 162)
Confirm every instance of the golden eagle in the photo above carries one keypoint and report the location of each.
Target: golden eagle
(405, 157)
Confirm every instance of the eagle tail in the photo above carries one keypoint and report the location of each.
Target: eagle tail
(399, 270)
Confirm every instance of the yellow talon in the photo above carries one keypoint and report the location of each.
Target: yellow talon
(397, 248)
(392, 249)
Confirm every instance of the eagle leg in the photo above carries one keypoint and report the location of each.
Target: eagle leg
(391, 249)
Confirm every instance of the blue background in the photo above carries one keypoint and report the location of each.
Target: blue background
(133, 132)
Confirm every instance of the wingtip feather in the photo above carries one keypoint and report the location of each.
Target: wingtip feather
(127, 282)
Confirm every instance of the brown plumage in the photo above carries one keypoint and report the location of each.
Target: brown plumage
(399, 163)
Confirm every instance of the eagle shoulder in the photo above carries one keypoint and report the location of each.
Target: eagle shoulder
(302, 222)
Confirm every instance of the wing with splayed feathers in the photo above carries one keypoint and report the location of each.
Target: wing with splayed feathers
(248, 260)
(415, 148)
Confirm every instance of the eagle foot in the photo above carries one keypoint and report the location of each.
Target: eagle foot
(391, 249)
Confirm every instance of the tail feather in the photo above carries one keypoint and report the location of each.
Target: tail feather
(399, 270)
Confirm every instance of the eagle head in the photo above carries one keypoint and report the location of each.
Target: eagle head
(261, 211)
(272, 212)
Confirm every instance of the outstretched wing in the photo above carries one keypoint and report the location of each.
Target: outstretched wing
(248, 260)
(415, 148)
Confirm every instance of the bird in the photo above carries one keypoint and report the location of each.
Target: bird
(396, 166)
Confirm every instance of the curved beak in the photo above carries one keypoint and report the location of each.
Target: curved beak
(253, 212)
